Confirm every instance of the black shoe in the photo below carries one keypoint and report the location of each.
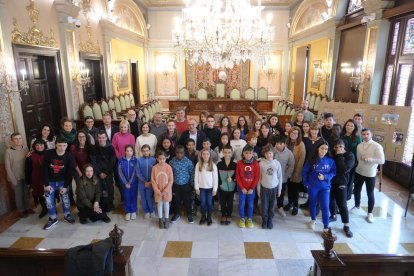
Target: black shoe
(106, 219)
(304, 205)
(209, 220)
(190, 219)
(43, 213)
(287, 207)
(50, 223)
(161, 223)
(69, 219)
(83, 221)
(348, 232)
(264, 224)
(175, 218)
(166, 224)
(270, 224)
(203, 219)
(294, 211)
(332, 218)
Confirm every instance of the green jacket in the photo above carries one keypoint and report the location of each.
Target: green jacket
(88, 192)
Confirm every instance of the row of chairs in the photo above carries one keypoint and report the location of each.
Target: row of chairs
(283, 107)
(146, 111)
(315, 101)
(235, 94)
(116, 105)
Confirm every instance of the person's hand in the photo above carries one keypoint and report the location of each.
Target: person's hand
(14, 183)
(321, 177)
(29, 154)
(278, 194)
(164, 193)
(197, 192)
(258, 193)
(79, 174)
(159, 193)
(63, 191)
(250, 191)
(244, 191)
(147, 184)
(214, 193)
(47, 189)
(102, 175)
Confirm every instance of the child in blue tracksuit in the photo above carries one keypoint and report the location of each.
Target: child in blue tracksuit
(127, 177)
(317, 174)
(144, 168)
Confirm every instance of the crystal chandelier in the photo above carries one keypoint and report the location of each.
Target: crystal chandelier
(223, 32)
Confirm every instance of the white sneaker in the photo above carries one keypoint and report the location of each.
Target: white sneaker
(356, 210)
(147, 216)
(301, 194)
(311, 224)
(127, 216)
(133, 215)
(305, 195)
(370, 218)
(281, 212)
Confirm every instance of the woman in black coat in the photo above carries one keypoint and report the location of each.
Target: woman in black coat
(344, 163)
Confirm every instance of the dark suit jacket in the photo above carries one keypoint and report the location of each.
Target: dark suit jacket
(186, 135)
(114, 129)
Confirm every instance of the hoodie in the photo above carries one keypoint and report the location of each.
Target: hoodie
(325, 166)
(287, 162)
(247, 174)
(127, 170)
(224, 173)
(270, 174)
(144, 168)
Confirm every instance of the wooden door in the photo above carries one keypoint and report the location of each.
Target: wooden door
(135, 82)
(44, 101)
(300, 75)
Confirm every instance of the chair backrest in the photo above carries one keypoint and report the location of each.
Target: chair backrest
(249, 94)
(184, 94)
(324, 99)
(140, 114)
(87, 111)
(127, 101)
(122, 101)
(220, 90)
(111, 104)
(118, 107)
(147, 115)
(235, 94)
(279, 107)
(153, 108)
(150, 114)
(131, 100)
(158, 106)
(308, 96)
(312, 102)
(283, 109)
(104, 107)
(97, 112)
(262, 94)
(114, 116)
(202, 94)
(317, 103)
(287, 111)
(292, 112)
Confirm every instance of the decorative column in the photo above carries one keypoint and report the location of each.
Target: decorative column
(69, 53)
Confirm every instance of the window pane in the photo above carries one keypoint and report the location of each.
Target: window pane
(405, 72)
(409, 38)
(395, 38)
(387, 84)
(354, 5)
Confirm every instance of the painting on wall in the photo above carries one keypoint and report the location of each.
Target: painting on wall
(316, 78)
(165, 75)
(122, 67)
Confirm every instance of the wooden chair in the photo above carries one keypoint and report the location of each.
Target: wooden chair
(184, 94)
(220, 90)
(153, 108)
(308, 96)
(146, 115)
(312, 101)
(317, 103)
(150, 114)
(249, 94)
(235, 94)
(141, 114)
(104, 107)
(132, 100)
(262, 94)
(111, 104)
(292, 112)
(288, 110)
(283, 109)
(87, 111)
(127, 101)
(202, 94)
(118, 107)
(97, 111)
(122, 102)
(158, 106)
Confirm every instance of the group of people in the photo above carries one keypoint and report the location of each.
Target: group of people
(189, 162)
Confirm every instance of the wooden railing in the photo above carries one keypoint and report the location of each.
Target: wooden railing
(329, 263)
(50, 262)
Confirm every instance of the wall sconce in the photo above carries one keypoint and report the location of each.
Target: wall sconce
(358, 75)
(8, 79)
(80, 76)
(165, 65)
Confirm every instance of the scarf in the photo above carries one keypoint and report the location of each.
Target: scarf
(69, 136)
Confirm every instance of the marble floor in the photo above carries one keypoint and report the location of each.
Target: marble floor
(187, 249)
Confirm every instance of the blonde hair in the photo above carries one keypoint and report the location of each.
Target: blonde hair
(201, 161)
(125, 122)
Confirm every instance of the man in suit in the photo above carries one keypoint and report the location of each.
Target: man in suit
(109, 129)
(192, 132)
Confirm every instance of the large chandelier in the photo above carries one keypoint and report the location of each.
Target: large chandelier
(223, 32)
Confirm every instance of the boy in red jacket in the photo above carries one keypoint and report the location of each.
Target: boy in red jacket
(247, 177)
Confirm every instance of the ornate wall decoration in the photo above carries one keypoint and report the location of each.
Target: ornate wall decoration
(166, 80)
(89, 46)
(33, 36)
(129, 17)
(270, 76)
(311, 18)
(204, 76)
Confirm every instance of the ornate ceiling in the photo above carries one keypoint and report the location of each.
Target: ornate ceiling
(181, 3)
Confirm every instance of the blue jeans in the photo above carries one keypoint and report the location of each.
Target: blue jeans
(321, 195)
(250, 203)
(206, 198)
(147, 198)
(50, 199)
(130, 198)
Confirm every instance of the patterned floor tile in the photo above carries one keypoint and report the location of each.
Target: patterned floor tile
(342, 248)
(178, 249)
(258, 250)
(26, 243)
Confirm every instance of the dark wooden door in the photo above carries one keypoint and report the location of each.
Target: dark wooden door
(300, 75)
(44, 101)
(93, 91)
(37, 105)
(135, 82)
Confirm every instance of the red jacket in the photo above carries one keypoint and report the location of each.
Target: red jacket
(247, 175)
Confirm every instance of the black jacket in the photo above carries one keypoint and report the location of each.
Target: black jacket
(344, 163)
(58, 168)
(135, 128)
(186, 135)
(214, 135)
(114, 129)
(103, 159)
